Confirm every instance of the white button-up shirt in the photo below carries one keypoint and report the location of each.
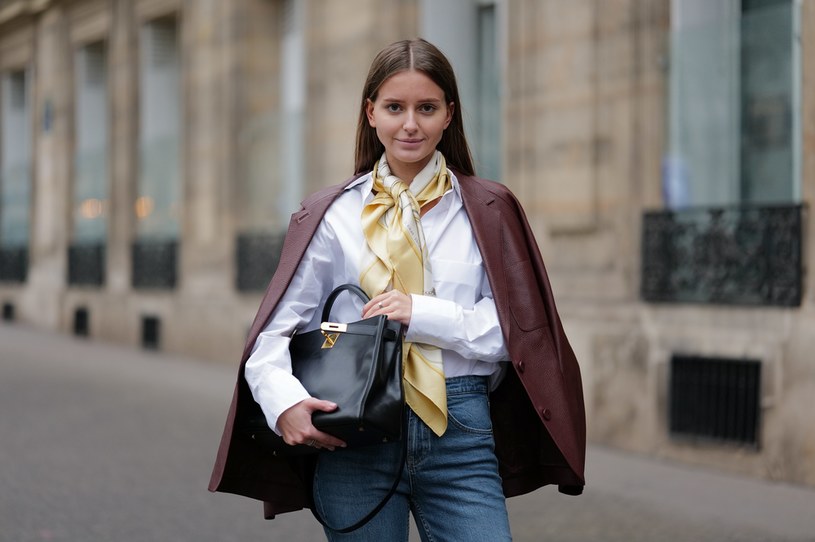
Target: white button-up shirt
(461, 319)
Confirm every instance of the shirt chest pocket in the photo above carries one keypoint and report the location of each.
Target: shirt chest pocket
(457, 280)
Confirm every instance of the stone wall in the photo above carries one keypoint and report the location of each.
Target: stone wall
(584, 123)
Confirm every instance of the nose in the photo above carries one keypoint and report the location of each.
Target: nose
(410, 121)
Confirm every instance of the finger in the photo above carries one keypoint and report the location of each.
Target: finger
(374, 311)
(321, 405)
(313, 436)
(373, 306)
(329, 442)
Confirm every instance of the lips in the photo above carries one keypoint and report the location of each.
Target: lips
(410, 142)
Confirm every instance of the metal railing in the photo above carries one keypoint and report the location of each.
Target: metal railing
(715, 399)
(86, 264)
(13, 264)
(256, 259)
(155, 264)
(740, 255)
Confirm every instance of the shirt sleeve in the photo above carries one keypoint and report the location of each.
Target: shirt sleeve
(268, 370)
(472, 333)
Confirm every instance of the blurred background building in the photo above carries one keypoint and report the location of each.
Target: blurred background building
(151, 152)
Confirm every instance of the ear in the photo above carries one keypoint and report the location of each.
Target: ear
(451, 107)
(369, 112)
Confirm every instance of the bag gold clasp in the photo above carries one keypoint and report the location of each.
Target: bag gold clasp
(331, 331)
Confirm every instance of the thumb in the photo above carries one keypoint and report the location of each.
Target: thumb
(325, 406)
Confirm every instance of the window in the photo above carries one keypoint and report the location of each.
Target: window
(487, 143)
(473, 46)
(159, 183)
(90, 189)
(733, 154)
(15, 175)
(733, 101)
(158, 200)
(90, 153)
(767, 102)
(271, 142)
(293, 101)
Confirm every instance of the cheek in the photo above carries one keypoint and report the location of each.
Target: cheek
(438, 129)
(381, 129)
(382, 133)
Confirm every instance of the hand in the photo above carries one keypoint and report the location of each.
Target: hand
(296, 428)
(394, 304)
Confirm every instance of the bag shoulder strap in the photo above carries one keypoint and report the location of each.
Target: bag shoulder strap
(378, 507)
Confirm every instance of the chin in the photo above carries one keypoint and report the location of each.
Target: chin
(412, 157)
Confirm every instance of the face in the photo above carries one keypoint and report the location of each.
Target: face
(409, 116)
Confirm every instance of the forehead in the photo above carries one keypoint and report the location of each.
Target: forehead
(410, 84)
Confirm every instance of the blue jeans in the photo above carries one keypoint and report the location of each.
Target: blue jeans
(450, 483)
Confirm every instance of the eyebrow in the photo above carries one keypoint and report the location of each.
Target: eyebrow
(424, 100)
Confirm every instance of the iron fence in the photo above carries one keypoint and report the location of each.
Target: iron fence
(746, 255)
(155, 264)
(13, 264)
(715, 399)
(86, 264)
(256, 259)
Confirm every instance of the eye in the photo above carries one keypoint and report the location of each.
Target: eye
(427, 108)
(393, 108)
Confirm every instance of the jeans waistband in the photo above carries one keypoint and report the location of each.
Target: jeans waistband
(467, 384)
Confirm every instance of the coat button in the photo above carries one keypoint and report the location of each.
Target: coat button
(521, 366)
(546, 413)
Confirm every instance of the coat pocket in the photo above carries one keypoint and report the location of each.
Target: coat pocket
(525, 300)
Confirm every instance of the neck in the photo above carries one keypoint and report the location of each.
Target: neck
(407, 172)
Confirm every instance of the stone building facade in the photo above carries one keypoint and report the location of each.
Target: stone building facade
(152, 150)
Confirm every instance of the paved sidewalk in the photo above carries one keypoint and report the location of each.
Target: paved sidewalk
(101, 442)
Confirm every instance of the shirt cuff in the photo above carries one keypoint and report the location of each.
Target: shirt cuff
(431, 318)
(277, 397)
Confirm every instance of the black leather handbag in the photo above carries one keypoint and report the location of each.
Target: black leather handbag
(356, 365)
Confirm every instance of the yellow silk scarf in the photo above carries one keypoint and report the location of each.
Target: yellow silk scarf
(397, 259)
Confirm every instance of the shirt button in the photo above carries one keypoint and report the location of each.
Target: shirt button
(521, 366)
(546, 413)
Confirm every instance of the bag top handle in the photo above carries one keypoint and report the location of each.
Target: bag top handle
(329, 303)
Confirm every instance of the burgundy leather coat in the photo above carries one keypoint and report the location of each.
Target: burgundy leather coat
(537, 411)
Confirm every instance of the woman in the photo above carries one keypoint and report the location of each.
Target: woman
(452, 258)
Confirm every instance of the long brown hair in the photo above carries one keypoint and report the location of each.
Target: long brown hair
(422, 56)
